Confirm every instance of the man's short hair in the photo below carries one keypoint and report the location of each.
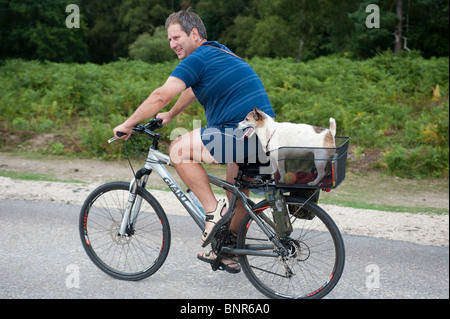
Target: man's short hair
(188, 20)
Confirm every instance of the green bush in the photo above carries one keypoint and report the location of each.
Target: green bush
(423, 161)
(152, 48)
(384, 103)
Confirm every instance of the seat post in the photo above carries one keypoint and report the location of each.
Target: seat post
(240, 174)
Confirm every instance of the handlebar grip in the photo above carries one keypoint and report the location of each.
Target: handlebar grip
(120, 134)
(154, 124)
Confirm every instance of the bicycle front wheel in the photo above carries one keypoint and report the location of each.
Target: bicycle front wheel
(139, 253)
(315, 252)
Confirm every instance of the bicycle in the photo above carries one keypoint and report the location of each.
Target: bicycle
(288, 247)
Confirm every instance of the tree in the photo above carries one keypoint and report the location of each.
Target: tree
(217, 15)
(115, 24)
(366, 42)
(239, 34)
(152, 48)
(426, 27)
(271, 39)
(33, 30)
(322, 27)
(103, 29)
(399, 27)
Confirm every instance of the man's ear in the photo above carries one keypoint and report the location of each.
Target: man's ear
(194, 34)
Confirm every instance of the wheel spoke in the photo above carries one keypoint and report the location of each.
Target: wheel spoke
(138, 253)
(314, 261)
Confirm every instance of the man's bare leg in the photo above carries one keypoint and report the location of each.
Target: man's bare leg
(239, 214)
(186, 153)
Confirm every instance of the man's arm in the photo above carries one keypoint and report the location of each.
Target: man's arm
(152, 105)
(186, 99)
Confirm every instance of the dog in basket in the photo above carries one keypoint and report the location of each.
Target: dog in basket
(289, 141)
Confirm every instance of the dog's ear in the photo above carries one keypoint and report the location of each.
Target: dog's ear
(258, 115)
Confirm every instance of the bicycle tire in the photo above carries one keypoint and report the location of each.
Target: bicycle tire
(132, 257)
(316, 253)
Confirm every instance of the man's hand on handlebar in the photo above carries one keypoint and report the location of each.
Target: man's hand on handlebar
(122, 131)
(165, 116)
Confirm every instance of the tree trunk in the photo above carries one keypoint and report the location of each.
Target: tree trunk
(300, 51)
(399, 27)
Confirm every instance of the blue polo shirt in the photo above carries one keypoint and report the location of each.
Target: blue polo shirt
(226, 86)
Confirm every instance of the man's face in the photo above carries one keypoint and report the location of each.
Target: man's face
(180, 42)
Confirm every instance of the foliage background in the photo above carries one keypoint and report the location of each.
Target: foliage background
(386, 103)
(32, 29)
(72, 86)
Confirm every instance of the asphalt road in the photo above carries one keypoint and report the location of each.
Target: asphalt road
(42, 257)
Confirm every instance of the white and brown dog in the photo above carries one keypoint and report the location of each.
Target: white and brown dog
(290, 140)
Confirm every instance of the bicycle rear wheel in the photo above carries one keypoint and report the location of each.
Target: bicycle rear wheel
(135, 256)
(316, 253)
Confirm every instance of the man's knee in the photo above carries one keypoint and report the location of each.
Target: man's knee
(180, 150)
(189, 147)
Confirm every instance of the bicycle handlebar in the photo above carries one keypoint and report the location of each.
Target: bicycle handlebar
(154, 124)
(147, 129)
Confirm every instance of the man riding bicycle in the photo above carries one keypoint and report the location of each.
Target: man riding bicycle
(228, 89)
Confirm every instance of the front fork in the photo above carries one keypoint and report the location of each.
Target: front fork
(134, 203)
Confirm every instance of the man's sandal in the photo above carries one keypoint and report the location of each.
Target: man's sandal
(230, 265)
(216, 218)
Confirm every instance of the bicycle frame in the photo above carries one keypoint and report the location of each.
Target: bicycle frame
(156, 161)
(296, 248)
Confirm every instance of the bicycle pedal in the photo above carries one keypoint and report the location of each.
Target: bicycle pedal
(217, 268)
(216, 265)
